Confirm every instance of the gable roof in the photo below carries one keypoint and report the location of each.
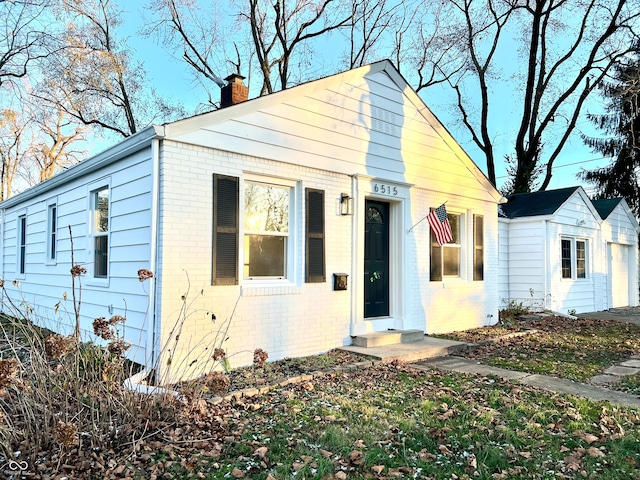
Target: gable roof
(536, 203)
(605, 206)
(234, 128)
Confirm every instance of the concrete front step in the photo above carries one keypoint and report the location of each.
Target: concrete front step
(388, 337)
(427, 347)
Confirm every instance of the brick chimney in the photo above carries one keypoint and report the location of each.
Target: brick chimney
(234, 91)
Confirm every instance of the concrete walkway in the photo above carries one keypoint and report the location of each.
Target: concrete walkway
(543, 382)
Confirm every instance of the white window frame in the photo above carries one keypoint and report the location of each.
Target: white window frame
(289, 277)
(460, 246)
(21, 248)
(51, 254)
(573, 251)
(93, 233)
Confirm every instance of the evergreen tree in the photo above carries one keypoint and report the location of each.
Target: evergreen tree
(621, 126)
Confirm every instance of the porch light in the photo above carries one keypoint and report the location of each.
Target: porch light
(346, 204)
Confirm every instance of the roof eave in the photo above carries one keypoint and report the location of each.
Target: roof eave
(122, 149)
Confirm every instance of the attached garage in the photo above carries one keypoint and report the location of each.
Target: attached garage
(618, 261)
(620, 233)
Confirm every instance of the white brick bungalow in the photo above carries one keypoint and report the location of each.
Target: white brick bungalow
(240, 213)
(561, 251)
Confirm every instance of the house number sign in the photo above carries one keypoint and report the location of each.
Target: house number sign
(385, 189)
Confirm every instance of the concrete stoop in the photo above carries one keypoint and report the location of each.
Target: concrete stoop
(389, 337)
(403, 345)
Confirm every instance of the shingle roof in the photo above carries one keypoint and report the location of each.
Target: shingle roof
(536, 203)
(606, 206)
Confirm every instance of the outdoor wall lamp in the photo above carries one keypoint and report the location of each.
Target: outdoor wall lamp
(346, 204)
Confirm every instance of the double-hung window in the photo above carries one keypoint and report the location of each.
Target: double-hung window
(52, 225)
(100, 231)
(266, 230)
(573, 258)
(446, 259)
(22, 244)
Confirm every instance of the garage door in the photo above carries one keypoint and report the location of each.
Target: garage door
(619, 268)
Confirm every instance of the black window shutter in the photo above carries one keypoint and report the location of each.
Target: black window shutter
(225, 230)
(478, 247)
(315, 271)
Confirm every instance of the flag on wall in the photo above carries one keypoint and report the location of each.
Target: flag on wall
(440, 227)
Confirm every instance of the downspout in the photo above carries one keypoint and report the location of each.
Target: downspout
(545, 267)
(355, 277)
(154, 260)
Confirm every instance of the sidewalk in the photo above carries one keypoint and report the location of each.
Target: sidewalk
(543, 382)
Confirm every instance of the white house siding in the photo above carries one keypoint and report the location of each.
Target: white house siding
(341, 134)
(286, 319)
(44, 284)
(526, 282)
(460, 303)
(575, 220)
(503, 262)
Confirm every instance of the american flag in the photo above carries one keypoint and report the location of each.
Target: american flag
(440, 227)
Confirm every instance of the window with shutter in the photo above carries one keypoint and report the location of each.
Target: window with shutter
(225, 230)
(314, 227)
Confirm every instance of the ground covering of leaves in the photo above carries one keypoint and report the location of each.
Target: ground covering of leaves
(574, 349)
(386, 421)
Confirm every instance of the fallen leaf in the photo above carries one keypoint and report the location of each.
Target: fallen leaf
(589, 438)
(261, 452)
(325, 453)
(356, 457)
(377, 469)
(237, 473)
(595, 452)
(359, 444)
(341, 475)
(444, 449)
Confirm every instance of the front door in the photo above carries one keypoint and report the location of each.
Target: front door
(376, 259)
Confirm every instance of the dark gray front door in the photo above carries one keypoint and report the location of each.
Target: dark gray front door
(376, 259)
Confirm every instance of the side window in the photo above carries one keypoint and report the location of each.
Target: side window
(266, 230)
(22, 244)
(566, 258)
(573, 258)
(52, 226)
(100, 231)
(478, 247)
(445, 259)
(581, 259)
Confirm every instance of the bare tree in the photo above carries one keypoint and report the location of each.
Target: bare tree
(23, 39)
(295, 23)
(54, 148)
(14, 144)
(199, 37)
(95, 79)
(269, 39)
(566, 47)
(372, 22)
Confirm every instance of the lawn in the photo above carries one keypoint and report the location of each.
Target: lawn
(572, 349)
(379, 421)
